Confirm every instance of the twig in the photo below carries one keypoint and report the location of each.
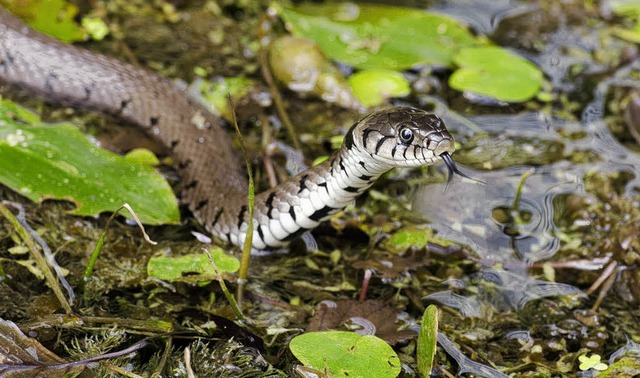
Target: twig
(223, 286)
(268, 77)
(248, 240)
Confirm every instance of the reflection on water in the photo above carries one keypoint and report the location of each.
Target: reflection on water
(483, 216)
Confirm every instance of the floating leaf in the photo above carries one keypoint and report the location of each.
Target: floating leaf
(346, 354)
(191, 268)
(497, 73)
(379, 36)
(58, 162)
(373, 87)
(427, 340)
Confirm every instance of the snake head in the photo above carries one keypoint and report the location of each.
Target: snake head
(402, 137)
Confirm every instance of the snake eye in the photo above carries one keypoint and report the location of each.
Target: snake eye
(406, 135)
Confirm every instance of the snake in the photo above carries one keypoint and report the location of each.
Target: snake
(214, 184)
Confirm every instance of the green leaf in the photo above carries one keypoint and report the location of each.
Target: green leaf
(191, 268)
(142, 156)
(214, 95)
(372, 87)
(43, 161)
(628, 8)
(497, 73)
(346, 354)
(427, 340)
(409, 237)
(379, 36)
(95, 27)
(55, 17)
(632, 35)
(593, 362)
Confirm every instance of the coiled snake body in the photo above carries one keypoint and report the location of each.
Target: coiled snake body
(215, 188)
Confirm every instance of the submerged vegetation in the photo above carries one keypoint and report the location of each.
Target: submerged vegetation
(534, 270)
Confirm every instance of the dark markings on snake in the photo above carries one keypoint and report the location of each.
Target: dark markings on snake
(318, 215)
(295, 234)
(154, 121)
(323, 184)
(261, 233)
(184, 164)
(10, 58)
(243, 210)
(174, 144)
(348, 139)
(303, 183)
(50, 77)
(216, 217)
(192, 184)
(365, 178)
(87, 93)
(341, 165)
(404, 154)
(362, 164)
(228, 235)
(365, 137)
(269, 202)
(393, 150)
(124, 104)
(292, 213)
(201, 204)
(351, 189)
(381, 142)
(415, 152)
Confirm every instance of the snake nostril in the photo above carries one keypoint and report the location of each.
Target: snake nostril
(442, 146)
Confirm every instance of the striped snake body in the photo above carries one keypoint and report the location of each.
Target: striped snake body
(215, 187)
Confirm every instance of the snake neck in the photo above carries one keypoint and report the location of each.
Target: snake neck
(299, 204)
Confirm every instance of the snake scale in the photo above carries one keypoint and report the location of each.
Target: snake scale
(215, 187)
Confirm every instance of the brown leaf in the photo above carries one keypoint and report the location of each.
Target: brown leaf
(366, 318)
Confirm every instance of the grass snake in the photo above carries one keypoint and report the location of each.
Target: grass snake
(215, 187)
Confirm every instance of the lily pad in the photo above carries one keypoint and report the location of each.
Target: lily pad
(373, 87)
(43, 161)
(379, 36)
(191, 268)
(346, 354)
(497, 73)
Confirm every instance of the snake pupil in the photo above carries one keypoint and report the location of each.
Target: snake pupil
(406, 135)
